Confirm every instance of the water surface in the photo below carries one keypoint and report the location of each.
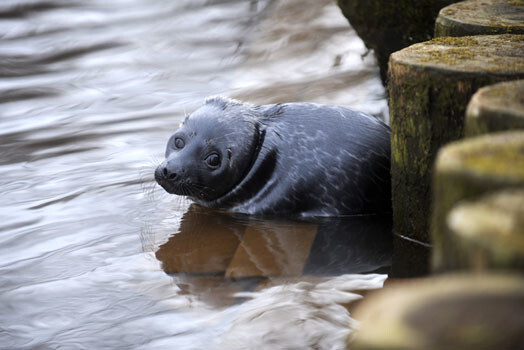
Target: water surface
(94, 255)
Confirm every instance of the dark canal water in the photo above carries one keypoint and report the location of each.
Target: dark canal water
(94, 255)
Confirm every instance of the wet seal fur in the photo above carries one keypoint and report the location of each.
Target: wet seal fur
(300, 159)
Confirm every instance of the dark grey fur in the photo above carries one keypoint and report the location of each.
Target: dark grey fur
(286, 159)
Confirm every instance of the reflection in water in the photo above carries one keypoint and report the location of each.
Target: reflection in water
(210, 243)
(284, 270)
(303, 315)
(217, 251)
(90, 90)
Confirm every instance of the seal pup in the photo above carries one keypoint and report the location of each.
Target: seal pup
(293, 159)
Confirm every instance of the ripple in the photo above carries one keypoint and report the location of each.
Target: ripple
(90, 90)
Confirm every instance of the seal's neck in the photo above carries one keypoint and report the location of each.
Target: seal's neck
(256, 177)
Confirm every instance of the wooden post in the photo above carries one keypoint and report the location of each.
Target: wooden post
(466, 170)
(447, 312)
(495, 108)
(476, 17)
(430, 85)
(490, 231)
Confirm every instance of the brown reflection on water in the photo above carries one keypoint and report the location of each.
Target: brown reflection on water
(205, 243)
(272, 249)
(214, 254)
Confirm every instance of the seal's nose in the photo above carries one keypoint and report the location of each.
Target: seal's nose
(170, 175)
(163, 173)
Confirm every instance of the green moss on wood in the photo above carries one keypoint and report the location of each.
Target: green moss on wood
(428, 96)
(481, 17)
(498, 54)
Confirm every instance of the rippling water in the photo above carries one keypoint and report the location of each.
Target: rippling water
(89, 93)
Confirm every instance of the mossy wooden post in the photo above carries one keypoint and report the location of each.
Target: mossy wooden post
(496, 107)
(430, 85)
(476, 17)
(451, 312)
(387, 26)
(490, 231)
(465, 170)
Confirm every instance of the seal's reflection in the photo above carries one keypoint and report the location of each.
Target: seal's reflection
(214, 249)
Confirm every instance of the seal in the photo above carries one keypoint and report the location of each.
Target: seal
(293, 159)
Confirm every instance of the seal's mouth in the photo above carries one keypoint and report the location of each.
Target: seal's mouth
(186, 189)
(183, 187)
(169, 187)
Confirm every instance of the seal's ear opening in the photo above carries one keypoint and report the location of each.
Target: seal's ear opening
(229, 155)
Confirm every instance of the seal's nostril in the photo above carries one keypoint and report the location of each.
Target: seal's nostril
(172, 176)
(165, 171)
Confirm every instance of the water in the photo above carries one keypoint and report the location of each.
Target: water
(90, 92)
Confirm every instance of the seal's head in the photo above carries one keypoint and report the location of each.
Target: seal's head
(211, 151)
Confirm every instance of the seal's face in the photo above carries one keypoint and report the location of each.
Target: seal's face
(210, 153)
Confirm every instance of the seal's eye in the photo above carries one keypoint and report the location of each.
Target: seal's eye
(213, 160)
(179, 143)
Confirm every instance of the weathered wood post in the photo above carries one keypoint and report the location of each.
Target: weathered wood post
(430, 85)
(490, 231)
(495, 108)
(465, 170)
(481, 17)
(446, 312)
